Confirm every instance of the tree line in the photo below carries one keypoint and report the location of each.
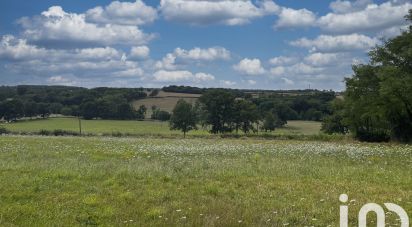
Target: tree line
(105, 103)
(222, 111)
(115, 103)
(377, 103)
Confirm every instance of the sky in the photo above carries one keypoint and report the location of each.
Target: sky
(249, 44)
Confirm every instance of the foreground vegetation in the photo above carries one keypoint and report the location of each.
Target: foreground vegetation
(64, 181)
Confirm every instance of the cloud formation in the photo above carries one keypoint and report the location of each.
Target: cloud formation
(123, 13)
(372, 18)
(205, 12)
(182, 57)
(295, 18)
(181, 76)
(251, 67)
(57, 28)
(339, 43)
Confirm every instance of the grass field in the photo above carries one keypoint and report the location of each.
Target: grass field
(136, 127)
(72, 181)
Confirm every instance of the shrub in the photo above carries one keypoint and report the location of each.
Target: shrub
(4, 131)
(372, 136)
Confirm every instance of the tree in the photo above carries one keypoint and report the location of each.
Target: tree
(218, 106)
(378, 98)
(183, 117)
(335, 123)
(141, 112)
(125, 111)
(30, 109)
(245, 114)
(12, 110)
(154, 93)
(269, 123)
(89, 110)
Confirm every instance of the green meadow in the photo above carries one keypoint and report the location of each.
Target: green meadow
(80, 181)
(136, 127)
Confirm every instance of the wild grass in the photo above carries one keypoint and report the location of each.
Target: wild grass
(72, 181)
(140, 128)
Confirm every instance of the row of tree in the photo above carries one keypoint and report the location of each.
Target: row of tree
(105, 103)
(222, 112)
(115, 103)
(377, 103)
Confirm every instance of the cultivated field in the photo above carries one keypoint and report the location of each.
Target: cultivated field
(164, 101)
(137, 127)
(69, 181)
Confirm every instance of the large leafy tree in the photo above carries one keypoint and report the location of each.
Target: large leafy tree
(218, 106)
(183, 117)
(379, 95)
(245, 114)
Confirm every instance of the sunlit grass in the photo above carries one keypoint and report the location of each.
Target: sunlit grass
(67, 181)
(137, 127)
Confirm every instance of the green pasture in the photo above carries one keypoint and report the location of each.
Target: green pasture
(89, 181)
(136, 127)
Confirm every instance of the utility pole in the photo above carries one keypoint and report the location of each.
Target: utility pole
(80, 125)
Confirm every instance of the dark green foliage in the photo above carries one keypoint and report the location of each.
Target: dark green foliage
(270, 122)
(160, 115)
(379, 96)
(141, 112)
(4, 131)
(107, 103)
(245, 114)
(183, 117)
(218, 106)
(183, 89)
(154, 92)
(335, 123)
(12, 109)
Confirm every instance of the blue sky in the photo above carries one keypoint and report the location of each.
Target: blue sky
(261, 44)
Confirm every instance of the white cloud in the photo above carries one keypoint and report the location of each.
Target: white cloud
(278, 70)
(58, 80)
(13, 48)
(99, 53)
(373, 17)
(327, 43)
(204, 12)
(392, 32)
(227, 83)
(123, 13)
(321, 59)
(249, 67)
(57, 26)
(139, 52)
(251, 82)
(202, 77)
(209, 54)
(295, 18)
(181, 76)
(282, 60)
(287, 81)
(302, 68)
(181, 56)
(167, 62)
(54, 66)
(345, 6)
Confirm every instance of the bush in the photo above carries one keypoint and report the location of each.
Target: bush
(372, 136)
(57, 132)
(4, 131)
